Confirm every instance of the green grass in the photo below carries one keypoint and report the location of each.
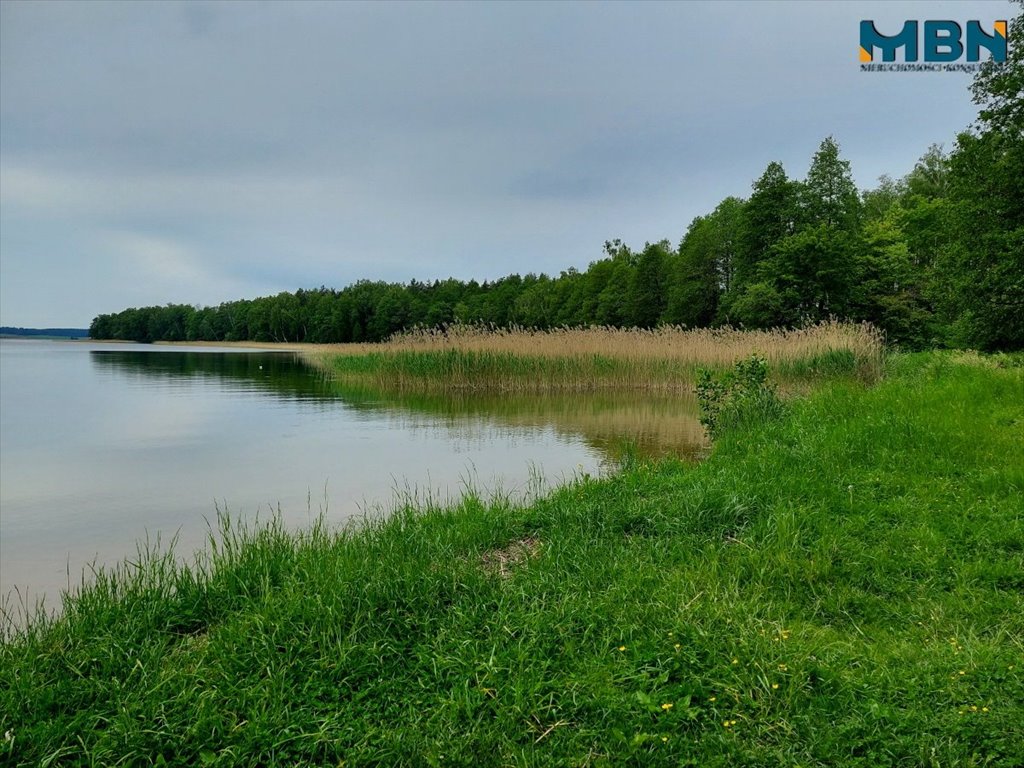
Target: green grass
(834, 363)
(841, 586)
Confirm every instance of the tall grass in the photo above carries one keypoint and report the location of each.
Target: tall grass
(476, 359)
(840, 586)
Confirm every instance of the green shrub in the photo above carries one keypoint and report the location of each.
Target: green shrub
(736, 398)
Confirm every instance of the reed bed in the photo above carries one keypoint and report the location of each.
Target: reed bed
(467, 358)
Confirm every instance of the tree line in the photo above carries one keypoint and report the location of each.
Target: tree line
(52, 333)
(935, 258)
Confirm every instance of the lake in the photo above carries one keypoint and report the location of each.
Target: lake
(104, 445)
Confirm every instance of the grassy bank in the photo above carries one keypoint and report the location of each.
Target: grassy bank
(842, 586)
(575, 360)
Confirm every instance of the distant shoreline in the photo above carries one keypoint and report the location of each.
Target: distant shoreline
(266, 345)
(43, 337)
(21, 332)
(269, 345)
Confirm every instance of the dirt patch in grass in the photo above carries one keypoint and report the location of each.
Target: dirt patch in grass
(502, 561)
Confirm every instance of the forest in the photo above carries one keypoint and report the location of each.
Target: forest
(933, 259)
(49, 333)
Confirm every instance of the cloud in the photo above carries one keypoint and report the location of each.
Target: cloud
(282, 145)
(155, 260)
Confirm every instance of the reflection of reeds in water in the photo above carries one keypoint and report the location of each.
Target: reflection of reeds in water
(588, 359)
(657, 424)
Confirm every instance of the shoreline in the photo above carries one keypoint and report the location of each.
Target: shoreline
(716, 613)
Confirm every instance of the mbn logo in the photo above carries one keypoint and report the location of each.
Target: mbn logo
(941, 41)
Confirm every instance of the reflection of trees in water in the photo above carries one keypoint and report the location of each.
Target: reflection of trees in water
(275, 373)
(649, 424)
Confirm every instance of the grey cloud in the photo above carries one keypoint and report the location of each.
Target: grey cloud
(281, 145)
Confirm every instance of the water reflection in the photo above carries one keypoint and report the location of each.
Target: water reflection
(648, 424)
(281, 374)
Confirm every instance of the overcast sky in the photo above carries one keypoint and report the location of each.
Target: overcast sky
(202, 152)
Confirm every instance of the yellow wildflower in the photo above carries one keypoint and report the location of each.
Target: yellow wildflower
(667, 705)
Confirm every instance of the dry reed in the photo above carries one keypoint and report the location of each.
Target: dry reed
(574, 359)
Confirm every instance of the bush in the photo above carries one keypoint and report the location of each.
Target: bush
(736, 398)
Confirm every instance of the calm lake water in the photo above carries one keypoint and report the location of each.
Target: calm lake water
(104, 445)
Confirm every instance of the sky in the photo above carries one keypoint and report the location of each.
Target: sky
(167, 152)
